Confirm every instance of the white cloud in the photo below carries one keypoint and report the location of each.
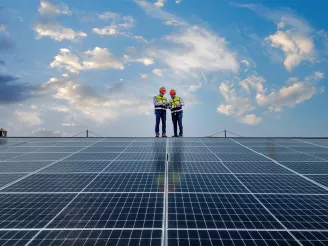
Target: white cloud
(159, 3)
(58, 108)
(30, 118)
(108, 30)
(145, 60)
(234, 105)
(57, 32)
(191, 49)
(66, 60)
(101, 58)
(241, 97)
(294, 37)
(194, 88)
(141, 39)
(296, 46)
(173, 22)
(196, 49)
(290, 96)
(98, 58)
(47, 8)
(33, 107)
(144, 76)
(3, 28)
(100, 107)
(49, 26)
(65, 75)
(158, 72)
(178, 1)
(254, 82)
(251, 119)
(118, 24)
(246, 63)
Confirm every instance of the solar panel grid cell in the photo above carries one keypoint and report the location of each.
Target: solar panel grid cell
(127, 182)
(263, 183)
(298, 212)
(8, 178)
(41, 157)
(92, 156)
(308, 167)
(213, 237)
(219, 183)
(95, 237)
(25, 166)
(220, 211)
(30, 210)
(51, 183)
(76, 166)
(136, 166)
(135, 210)
(197, 167)
(321, 179)
(256, 167)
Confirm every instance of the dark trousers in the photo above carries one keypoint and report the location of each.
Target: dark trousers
(177, 120)
(160, 115)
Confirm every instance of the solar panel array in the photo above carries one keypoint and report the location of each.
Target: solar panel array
(174, 191)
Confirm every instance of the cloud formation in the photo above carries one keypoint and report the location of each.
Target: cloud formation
(30, 118)
(99, 106)
(96, 59)
(294, 35)
(49, 26)
(242, 97)
(118, 24)
(12, 91)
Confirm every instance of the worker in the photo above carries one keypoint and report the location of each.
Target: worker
(176, 104)
(160, 104)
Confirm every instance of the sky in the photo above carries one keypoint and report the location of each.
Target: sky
(255, 68)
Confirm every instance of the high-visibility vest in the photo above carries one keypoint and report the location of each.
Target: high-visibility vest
(173, 103)
(161, 100)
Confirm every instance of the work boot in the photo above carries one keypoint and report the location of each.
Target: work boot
(157, 134)
(164, 135)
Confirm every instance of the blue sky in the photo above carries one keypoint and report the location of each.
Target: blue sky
(257, 68)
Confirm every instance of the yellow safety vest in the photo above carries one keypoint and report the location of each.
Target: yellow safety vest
(160, 100)
(173, 103)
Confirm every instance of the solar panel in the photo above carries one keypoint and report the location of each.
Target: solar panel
(163, 191)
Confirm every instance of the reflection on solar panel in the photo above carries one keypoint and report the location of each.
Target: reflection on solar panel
(174, 191)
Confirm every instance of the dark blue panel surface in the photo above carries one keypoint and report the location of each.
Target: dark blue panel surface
(297, 211)
(197, 167)
(224, 211)
(321, 179)
(135, 210)
(8, 178)
(136, 166)
(30, 210)
(52, 183)
(127, 182)
(179, 182)
(98, 237)
(228, 238)
(256, 167)
(262, 183)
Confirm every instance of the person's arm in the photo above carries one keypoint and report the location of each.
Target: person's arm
(182, 103)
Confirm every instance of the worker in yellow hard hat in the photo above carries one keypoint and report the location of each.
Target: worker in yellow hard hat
(176, 104)
(160, 104)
